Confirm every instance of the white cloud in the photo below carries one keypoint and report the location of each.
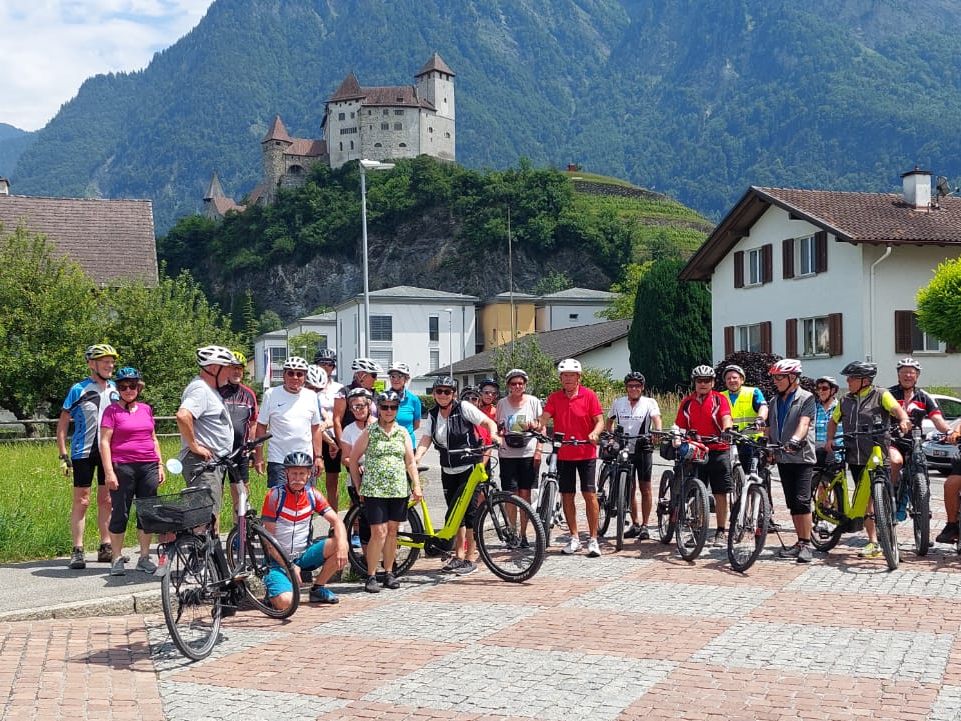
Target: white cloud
(49, 47)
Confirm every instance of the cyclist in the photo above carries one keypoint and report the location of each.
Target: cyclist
(637, 414)
(326, 359)
(952, 489)
(451, 425)
(292, 414)
(85, 404)
(865, 407)
(708, 413)
(410, 411)
(132, 464)
(578, 414)
(748, 407)
(918, 405)
(388, 462)
(287, 514)
(519, 455)
(827, 398)
(365, 373)
(791, 423)
(241, 402)
(203, 420)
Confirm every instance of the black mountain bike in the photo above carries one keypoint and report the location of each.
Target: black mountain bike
(914, 489)
(683, 509)
(614, 481)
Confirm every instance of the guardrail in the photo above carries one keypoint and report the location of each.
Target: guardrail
(16, 431)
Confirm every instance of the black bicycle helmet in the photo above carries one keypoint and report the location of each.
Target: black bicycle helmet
(298, 459)
(635, 376)
(325, 355)
(388, 396)
(470, 394)
(489, 382)
(860, 369)
(359, 393)
(445, 382)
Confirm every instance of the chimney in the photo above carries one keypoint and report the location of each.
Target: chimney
(916, 185)
(4, 186)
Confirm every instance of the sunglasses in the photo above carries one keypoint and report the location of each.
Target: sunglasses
(778, 377)
(704, 380)
(358, 406)
(128, 386)
(391, 407)
(396, 375)
(517, 384)
(443, 391)
(824, 388)
(295, 374)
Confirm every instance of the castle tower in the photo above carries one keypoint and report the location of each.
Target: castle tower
(342, 122)
(274, 145)
(435, 83)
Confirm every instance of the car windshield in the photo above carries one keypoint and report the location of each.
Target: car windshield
(950, 407)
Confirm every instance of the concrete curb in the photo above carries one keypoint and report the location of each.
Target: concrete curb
(143, 602)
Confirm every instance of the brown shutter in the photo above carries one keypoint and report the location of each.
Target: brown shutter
(821, 252)
(739, 269)
(766, 335)
(767, 264)
(790, 338)
(787, 260)
(902, 331)
(835, 334)
(728, 340)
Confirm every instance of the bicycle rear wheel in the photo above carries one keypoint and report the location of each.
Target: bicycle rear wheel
(828, 513)
(264, 555)
(605, 497)
(665, 523)
(921, 513)
(498, 542)
(191, 594)
(693, 519)
(621, 489)
(885, 523)
(546, 503)
(748, 531)
(406, 555)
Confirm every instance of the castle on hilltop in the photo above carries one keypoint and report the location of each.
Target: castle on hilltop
(379, 123)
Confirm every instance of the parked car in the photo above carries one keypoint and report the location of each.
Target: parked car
(941, 455)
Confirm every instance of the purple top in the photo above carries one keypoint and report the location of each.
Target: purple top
(132, 439)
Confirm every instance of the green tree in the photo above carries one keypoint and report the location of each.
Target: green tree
(269, 321)
(525, 353)
(48, 308)
(671, 330)
(553, 282)
(185, 243)
(623, 305)
(251, 324)
(939, 304)
(305, 344)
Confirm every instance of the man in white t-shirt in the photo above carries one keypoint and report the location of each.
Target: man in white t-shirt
(292, 415)
(637, 414)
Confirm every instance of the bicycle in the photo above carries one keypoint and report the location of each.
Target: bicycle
(836, 512)
(498, 541)
(683, 508)
(914, 490)
(614, 483)
(199, 586)
(751, 506)
(548, 506)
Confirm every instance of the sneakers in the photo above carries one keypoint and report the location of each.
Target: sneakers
(790, 551)
(322, 594)
(451, 564)
(77, 561)
(948, 535)
(463, 568)
(524, 543)
(390, 581)
(593, 548)
(146, 565)
(872, 550)
(104, 554)
(117, 568)
(633, 532)
(643, 534)
(371, 585)
(804, 554)
(720, 538)
(573, 546)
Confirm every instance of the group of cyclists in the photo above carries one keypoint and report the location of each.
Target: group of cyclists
(319, 427)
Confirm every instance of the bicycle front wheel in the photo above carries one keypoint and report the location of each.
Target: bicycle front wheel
(748, 530)
(498, 541)
(665, 518)
(921, 513)
(693, 519)
(406, 554)
(885, 523)
(605, 497)
(828, 512)
(622, 489)
(263, 556)
(191, 594)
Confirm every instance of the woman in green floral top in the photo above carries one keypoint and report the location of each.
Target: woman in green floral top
(388, 462)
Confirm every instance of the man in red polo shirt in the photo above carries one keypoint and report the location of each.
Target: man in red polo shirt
(577, 413)
(708, 413)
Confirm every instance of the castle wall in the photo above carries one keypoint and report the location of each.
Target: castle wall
(436, 135)
(390, 132)
(343, 131)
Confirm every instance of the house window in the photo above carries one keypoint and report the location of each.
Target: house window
(403, 145)
(278, 354)
(398, 112)
(378, 145)
(434, 359)
(748, 337)
(805, 255)
(909, 337)
(340, 116)
(351, 144)
(386, 111)
(385, 358)
(430, 130)
(754, 267)
(385, 126)
(572, 316)
(815, 336)
(351, 114)
(433, 329)
(381, 328)
(398, 126)
(446, 135)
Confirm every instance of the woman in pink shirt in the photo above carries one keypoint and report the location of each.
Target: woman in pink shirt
(132, 465)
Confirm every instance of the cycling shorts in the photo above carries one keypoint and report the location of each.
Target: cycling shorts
(83, 469)
(716, 473)
(381, 510)
(567, 472)
(277, 582)
(518, 473)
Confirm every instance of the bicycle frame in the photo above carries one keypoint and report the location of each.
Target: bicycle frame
(855, 509)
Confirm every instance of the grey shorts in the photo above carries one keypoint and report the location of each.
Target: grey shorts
(214, 479)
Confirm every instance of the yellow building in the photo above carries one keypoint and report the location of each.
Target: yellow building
(494, 325)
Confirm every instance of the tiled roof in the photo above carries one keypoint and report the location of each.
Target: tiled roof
(436, 62)
(306, 147)
(349, 90)
(874, 218)
(318, 318)
(392, 95)
(506, 296)
(111, 239)
(579, 294)
(556, 344)
(277, 131)
(255, 194)
(215, 189)
(222, 205)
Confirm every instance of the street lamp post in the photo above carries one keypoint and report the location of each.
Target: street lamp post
(450, 339)
(366, 165)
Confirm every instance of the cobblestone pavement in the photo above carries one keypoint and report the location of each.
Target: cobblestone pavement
(639, 634)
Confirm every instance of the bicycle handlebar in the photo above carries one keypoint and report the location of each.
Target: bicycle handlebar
(231, 457)
(473, 449)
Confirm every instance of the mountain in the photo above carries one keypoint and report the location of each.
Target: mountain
(13, 141)
(697, 100)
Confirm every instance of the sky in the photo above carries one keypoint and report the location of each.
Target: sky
(49, 47)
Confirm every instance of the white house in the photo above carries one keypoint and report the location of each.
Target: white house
(830, 277)
(570, 308)
(271, 349)
(421, 327)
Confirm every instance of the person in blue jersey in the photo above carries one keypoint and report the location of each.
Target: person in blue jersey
(410, 411)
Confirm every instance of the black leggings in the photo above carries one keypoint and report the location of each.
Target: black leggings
(453, 483)
(796, 483)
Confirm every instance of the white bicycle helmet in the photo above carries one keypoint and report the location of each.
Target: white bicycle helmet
(316, 376)
(400, 368)
(366, 365)
(515, 373)
(908, 363)
(737, 369)
(569, 365)
(296, 363)
(215, 355)
(786, 366)
(702, 371)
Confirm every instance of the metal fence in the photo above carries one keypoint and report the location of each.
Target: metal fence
(44, 429)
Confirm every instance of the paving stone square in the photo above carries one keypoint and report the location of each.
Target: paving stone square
(686, 599)
(877, 579)
(192, 702)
